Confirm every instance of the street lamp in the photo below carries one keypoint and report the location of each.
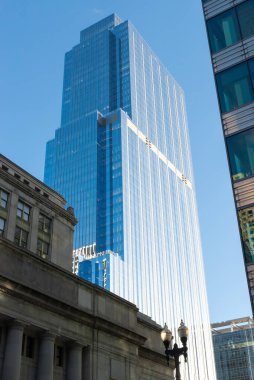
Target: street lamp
(166, 336)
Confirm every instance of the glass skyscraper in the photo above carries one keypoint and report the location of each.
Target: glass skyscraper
(230, 29)
(234, 349)
(122, 159)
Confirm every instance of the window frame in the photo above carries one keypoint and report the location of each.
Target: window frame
(229, 150)
(2, 191)
(221, 95)
(43, 223)
(20, 239)
(42, 252)
(240, 31)
(23, 212)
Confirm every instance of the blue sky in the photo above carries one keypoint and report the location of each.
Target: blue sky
(34, 35)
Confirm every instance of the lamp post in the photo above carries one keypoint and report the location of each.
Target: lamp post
(176, 352)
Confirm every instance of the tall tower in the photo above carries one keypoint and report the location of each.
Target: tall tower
(230, 27)
(122, 158)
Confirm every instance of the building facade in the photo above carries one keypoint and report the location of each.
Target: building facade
(122, 158)
(233, 343)
(230, 28)
(53, 325)
(33, 216)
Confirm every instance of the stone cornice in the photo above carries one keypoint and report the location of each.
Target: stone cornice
(25, 294)
(38, 197)
(57, 269)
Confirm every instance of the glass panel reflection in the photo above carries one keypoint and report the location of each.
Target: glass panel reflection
(223, 31)
(245, 13)
(246, 220)
(234, 87)
(241, 154)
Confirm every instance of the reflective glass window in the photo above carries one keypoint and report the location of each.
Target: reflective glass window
(44, 224)
(21, 237)
(241, 154)
(3, 198)
(42, 248)
(251, 67)
(234, 87)
(223, 30)
(2, 225)
(246, 219)
(245, 13)
(23, 211)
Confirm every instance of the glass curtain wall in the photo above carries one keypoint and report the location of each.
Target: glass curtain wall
(241, 154)
(235, 86)
(122, 160)
(231, 26)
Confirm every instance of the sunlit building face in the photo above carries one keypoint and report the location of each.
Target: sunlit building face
(122, 159)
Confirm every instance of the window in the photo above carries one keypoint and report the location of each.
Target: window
(44, 224)
(43, 236)
(245, 12)
(2, 226)
(28, 345)
(23, 211)
(251, 68)
(21, 237)
(3, 198)
(59, 356)
(223, 30)
(42, 248)
(241, 154)
(246, 219)
(234, 87)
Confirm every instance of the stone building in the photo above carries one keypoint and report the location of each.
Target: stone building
(54, 325)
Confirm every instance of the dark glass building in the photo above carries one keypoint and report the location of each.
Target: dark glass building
(230, 28)
(122, 159)
(233, 343)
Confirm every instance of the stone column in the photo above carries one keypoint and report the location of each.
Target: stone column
(45, 367)
(12, 355)
(74, 363)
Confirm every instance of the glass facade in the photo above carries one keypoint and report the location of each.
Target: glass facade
(234, 77)
(241, 154)
(223, 30)
(232, 26)
(235, 86)
(246, 221)
(245, 12)
(122, 159)
(234, 354)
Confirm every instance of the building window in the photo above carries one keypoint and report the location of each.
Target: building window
(23, 211)
(42, 248)
(246, 220)
(223, 30)
(245, 12)
(43, 241)
(2, 226)
(241, 154)
(44, 224)
(235, 87)
(28, 345)
(231, 26)
(21, 237)
(59, 352)
(3, 198)
(251, 68)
